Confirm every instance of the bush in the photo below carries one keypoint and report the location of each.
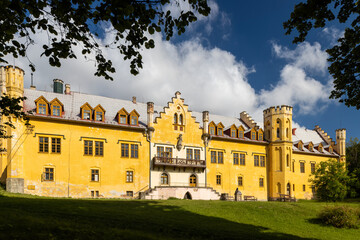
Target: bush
(340, 217)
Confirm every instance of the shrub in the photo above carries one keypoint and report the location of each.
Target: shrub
(340, 217)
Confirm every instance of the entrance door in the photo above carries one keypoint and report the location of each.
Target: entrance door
(193, 180)
(288, 189)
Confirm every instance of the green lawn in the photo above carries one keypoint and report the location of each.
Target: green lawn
(27, 217)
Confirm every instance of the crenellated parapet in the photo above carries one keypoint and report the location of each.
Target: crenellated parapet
(12, 80)
(283, 109)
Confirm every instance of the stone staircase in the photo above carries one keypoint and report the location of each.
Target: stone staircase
(195, 193)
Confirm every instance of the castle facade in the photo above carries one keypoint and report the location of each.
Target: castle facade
(80, 146)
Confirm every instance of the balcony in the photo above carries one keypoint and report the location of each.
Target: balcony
(178, 162)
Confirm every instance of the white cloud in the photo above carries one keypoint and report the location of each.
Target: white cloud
(333, 34)
(209, 78)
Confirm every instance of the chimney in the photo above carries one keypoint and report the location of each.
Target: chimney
(134, 100)
(293, 131)
(205, 122)
(150, 114)
(58, 86)
(67, 89)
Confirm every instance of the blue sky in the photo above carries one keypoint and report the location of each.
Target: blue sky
(237, 59)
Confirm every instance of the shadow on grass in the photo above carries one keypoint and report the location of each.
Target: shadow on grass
(113, 219)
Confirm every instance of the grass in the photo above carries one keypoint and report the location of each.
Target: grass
(30, 217)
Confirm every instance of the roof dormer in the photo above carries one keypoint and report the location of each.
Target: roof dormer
(233, 131)
(123, 116)
(319, 147)
(56, 108)
(212, 128)
(42, 105)
(241, 132)
(86, 111)
(260, 135)
(134, 117)
(99, 113)
(220, 129)
(310, 146)
(299, 145)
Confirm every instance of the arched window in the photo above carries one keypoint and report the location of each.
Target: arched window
(278, 127)
(164, 179)
(175, 118)
(288, 188)
(287, 160)
(287, 132)
(181, 119)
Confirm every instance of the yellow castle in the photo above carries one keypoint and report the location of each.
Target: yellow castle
(81, 146)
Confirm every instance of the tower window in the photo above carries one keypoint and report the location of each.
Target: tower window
(278, 132)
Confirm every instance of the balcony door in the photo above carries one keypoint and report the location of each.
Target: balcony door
(193, 180)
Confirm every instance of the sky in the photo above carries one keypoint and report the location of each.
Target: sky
(236, 59)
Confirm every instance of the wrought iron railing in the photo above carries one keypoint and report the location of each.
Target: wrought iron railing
(178, 162)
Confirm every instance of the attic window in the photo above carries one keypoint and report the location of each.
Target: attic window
(212, 130)
(233, 133)
(41, 108)
(311, 148)
(300, 147)
(99, 116)
(260, 136)
(253, 135)
(241, 134)
(123, 119)
(134, 120)
(220, 131)
(99, 113)
(330, 150)
(56, 110)
(86, 114)
(320, 149)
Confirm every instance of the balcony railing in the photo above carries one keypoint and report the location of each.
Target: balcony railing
(178, 162)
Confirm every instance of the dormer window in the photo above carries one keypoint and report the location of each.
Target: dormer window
(220, 129)
(99, 116)
(41, 108)
(233, 132)
(99, 113)
(123, 116)
(86, 111)
(41, 105)
(241, 132)
(56, 107)
(86, 114)
(260, 137)
(300, 147)
(320, 149)
(253, 135)
(56, 110)
(330, 150)
(212, 128)
(134, 116)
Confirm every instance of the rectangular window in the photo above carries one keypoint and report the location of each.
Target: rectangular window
(42, 108)
(86, 114)
(218, 179)
(241, 134)
(302, 167)
(168, 152)
(233, 133)
(262, 161)
(212, 130)
(88, 147)
(261, 182)
(236, 158)
(124, 150)
(134, 151)
(99, 148)
(189, 153)
(49, 174)
(55, 110)
(304, 187)
(94, 175)
(220, 131)
(220, 157)
(312, 167)
(55, 145)
(43, 144)
(240, 181)
(256, 160)
(213, 156)
(253, 135)
(129, 176)
(293, 166)
(129, 193)
(160, 152)
(123, 119)
(294, 187)
(133, 120)
(260, 136)
(99, 116)
(197, 154)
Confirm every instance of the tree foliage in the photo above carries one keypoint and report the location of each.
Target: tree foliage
(344, 56)
(70, 23)
(10, 108)
(353, 165)
(331, 181)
